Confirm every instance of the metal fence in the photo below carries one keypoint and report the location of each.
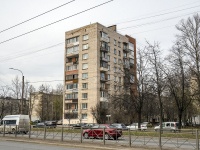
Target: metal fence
(183, 139)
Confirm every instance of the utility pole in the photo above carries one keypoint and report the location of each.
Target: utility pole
(22, 98)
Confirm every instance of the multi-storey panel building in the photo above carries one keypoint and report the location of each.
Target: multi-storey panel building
(94, 57)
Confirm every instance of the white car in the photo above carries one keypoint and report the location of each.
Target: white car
(134, 126)
(168, 126)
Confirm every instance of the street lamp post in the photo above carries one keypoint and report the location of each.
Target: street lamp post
(21, 103)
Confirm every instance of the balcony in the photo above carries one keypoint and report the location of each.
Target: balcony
(104, 59)
(72, 44)
(103, 69)
(71, 110)
(103, 99)
(104, 48)
(73, 54)
(103, 79)
(105, 39)
(72, 90)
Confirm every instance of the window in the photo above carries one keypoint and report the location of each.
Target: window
(103, 94)
(115, 51)
(115, 78)
(84, 66)
(84, 116)
(108, 76)
(115, 69)
(131, 46)
(70, 77)
(115, 42)
(73, 67)
(104, 35)
(115, 87)
(115, 60)
(120, 79)
(103, 85)
(84, 85)
(119, 61)
(84, 75)
(85, 46)
(74, 49)
(85, 56)
(103, 76)
(119, 53)
(84, 105)
(72, 86)
(84, 95)
(119, 44)
(85, 37)
(72, 40)
(108, 67)
(72, 96)
(104, 64)
(108, 57)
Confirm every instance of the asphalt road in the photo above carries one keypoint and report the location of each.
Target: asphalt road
(12, 145)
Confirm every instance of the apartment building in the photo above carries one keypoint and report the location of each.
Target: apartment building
(95, 57)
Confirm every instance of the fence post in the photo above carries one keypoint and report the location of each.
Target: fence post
(62, 133)
(197, 139)
(29, 133)
(104, 136)
(129, 135)
(81, 134)
(15, 131)
(45, 130)
(4, 130)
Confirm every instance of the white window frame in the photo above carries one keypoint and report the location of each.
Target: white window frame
(84, 75)
(84, 95)
(85, 46)
(85, 66)
(85, 56)
(84, 85)
(84, 106)
(85, 37)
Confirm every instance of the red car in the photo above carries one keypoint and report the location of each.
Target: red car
(97, 132)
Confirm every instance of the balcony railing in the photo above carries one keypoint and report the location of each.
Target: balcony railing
(104, 48)
(103, 69)
(103, 99)
(104, 59)
(106, 39)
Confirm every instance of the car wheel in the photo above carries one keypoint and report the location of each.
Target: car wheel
(86, 135)
(107, 136)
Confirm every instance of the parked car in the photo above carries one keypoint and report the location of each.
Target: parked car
(50, 124)
(168, 126)
(97, 132)
(79, 125)
(39, 125)
(120, 126)
(134, 126)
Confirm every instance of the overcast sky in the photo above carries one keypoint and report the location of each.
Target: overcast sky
(152, 20)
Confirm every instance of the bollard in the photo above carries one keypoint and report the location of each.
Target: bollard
(4, 130)
(197, 139)
(129, 137)
(62, 133)
(104, 136)
(45, 130)
(81, 134)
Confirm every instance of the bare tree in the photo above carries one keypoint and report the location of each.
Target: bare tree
(178, 80)
(157, 81)
(189, 39)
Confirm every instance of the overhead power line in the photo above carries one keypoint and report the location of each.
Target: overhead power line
(55, 22)
(29, 53)
(136, 26)
(36, 16)
(158, 15)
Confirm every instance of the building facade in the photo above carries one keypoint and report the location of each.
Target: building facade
(95, 57)
(45, 106)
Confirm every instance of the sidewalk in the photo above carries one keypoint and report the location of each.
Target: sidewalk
(88, 146)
